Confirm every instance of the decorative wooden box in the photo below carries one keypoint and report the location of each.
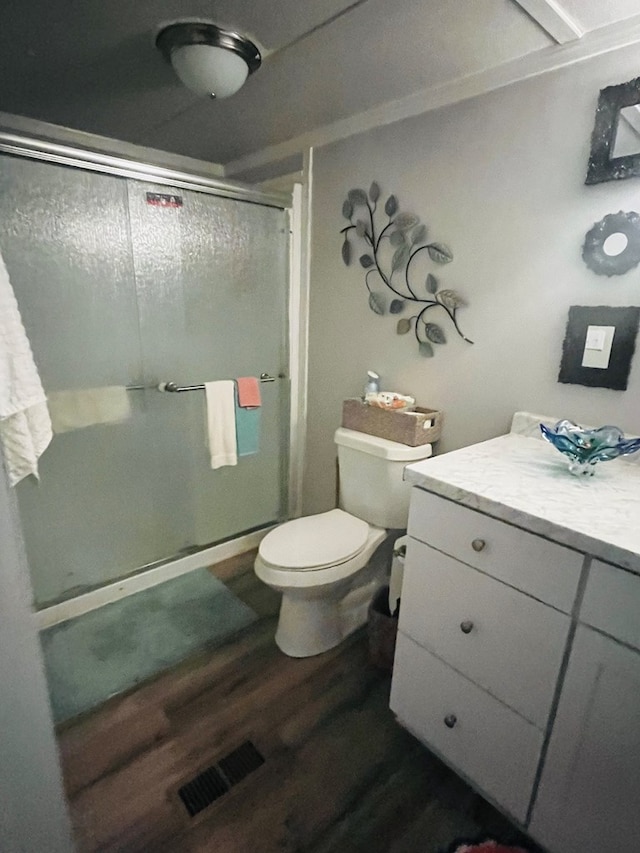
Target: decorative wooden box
(420, 426)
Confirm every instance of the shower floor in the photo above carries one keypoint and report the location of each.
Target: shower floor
(339, 773)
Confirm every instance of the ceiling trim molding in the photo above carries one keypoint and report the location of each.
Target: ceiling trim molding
(617, 36)
(47, 131)
(553, 19)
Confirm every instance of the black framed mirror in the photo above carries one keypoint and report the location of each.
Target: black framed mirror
(615, 140)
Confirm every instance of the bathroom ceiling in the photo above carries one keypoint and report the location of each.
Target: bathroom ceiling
(92, 65)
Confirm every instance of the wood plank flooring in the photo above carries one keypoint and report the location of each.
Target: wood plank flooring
(339, 773)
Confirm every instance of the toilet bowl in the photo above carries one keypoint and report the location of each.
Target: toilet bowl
(320, 564)
(324, 565)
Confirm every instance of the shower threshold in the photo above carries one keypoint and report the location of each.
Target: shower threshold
(148, 576)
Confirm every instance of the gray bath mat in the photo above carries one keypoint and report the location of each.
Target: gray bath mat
(107, 651)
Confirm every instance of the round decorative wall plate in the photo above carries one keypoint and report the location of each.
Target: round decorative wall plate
(612, 246)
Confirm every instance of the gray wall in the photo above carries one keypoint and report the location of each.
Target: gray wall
(33, 818)
(500, 179)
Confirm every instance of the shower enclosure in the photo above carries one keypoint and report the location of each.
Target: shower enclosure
(128, 283)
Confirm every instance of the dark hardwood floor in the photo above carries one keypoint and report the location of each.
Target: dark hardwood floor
(339, 773)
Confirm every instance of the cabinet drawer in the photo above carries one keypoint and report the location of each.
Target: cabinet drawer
(612, 602)
(544, 569)
(503, 640)
(489, 744)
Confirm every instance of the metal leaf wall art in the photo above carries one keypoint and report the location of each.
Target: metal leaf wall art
(390, 250)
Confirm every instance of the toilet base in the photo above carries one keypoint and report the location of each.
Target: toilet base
(310, 626)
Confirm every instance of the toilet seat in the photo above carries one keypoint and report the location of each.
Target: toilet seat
(315, 542)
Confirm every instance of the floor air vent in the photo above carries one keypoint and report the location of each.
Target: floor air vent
(242, 761)
(216, 780)
(203, 790)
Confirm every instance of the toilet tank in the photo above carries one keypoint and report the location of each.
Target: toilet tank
(371, 484)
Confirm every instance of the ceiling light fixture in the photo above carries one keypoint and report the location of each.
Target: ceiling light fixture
(208, 60)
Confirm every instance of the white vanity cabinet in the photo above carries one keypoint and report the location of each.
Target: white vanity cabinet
(589, 795)
(518, 651)
(478, 656)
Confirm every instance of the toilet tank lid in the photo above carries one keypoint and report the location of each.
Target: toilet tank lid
(392, 450)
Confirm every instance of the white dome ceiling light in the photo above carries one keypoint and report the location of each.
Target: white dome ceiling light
(208, 60)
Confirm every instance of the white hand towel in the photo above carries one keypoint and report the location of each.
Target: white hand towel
(25, 426)
(221, 422)
(83, 407)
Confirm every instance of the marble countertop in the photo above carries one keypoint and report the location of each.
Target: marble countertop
(525, 481)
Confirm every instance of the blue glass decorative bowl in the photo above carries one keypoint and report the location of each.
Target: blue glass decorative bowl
(586, 447)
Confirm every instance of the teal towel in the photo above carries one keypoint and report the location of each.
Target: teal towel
(247, 429)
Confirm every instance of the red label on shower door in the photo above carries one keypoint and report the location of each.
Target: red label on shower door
(164, 200)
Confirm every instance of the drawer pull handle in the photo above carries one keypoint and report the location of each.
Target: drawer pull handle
(478, 544)
(467, 626)
(450, 720)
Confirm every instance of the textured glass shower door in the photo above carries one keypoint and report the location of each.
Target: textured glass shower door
(117, 290)
(212, 279)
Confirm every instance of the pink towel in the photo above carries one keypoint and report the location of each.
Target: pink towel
(248, 392)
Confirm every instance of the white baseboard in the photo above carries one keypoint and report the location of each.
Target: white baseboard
(66, 610)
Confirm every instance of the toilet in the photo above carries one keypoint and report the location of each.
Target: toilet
(322, 564)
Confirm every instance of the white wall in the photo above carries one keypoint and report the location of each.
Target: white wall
(33, 817)
(500, 179)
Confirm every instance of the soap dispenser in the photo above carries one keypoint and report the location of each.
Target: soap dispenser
(372, 385)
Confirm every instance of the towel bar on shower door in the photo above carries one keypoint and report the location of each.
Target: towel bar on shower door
(176, 389)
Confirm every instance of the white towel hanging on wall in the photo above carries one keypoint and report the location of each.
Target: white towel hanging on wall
(25, 426)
